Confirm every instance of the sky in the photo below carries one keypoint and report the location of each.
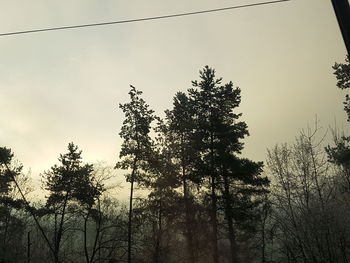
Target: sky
(65, 86)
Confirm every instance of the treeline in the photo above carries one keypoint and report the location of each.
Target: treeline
(203, 201)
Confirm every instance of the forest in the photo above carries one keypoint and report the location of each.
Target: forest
(203, 202)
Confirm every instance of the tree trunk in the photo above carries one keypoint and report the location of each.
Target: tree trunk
(28, 247)
(214, 222)
(130, 219)
(98, 230)
(85, 238)
(228, 214)
(214, 219)
(189, 235)
(130, 209)
(263, 257)
(159, 235)
(60, 230)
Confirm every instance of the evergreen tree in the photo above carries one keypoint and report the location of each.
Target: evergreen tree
(12, 227)
(340, 153)
(342, 72)
(218, 136)
(71, 181)
(136, 148)
(180, 131)
(205, 98)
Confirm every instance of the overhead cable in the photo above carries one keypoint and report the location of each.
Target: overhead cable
(138, 19)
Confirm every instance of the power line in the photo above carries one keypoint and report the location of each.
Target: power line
(139, 19)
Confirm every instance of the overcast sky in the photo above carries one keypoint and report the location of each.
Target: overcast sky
(63, 86)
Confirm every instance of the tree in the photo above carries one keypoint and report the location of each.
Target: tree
(136, 148)
(340, 153)
(179, 132)
(308, 206)
(9, 182)
(69, 182)
(241, 188)
(12, 227)
(342, 72)
(205, 96)
(217, 138)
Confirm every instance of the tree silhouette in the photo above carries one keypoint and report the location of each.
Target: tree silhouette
(340, 153)
(179, 132)
(342, 72)
(12, 227)
(136, 147)
(218, 135)
(69, 182)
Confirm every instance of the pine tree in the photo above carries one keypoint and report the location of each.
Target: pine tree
(180, 130)
(71, 181)
(136, 148)
(218, 139)
(12, 227)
